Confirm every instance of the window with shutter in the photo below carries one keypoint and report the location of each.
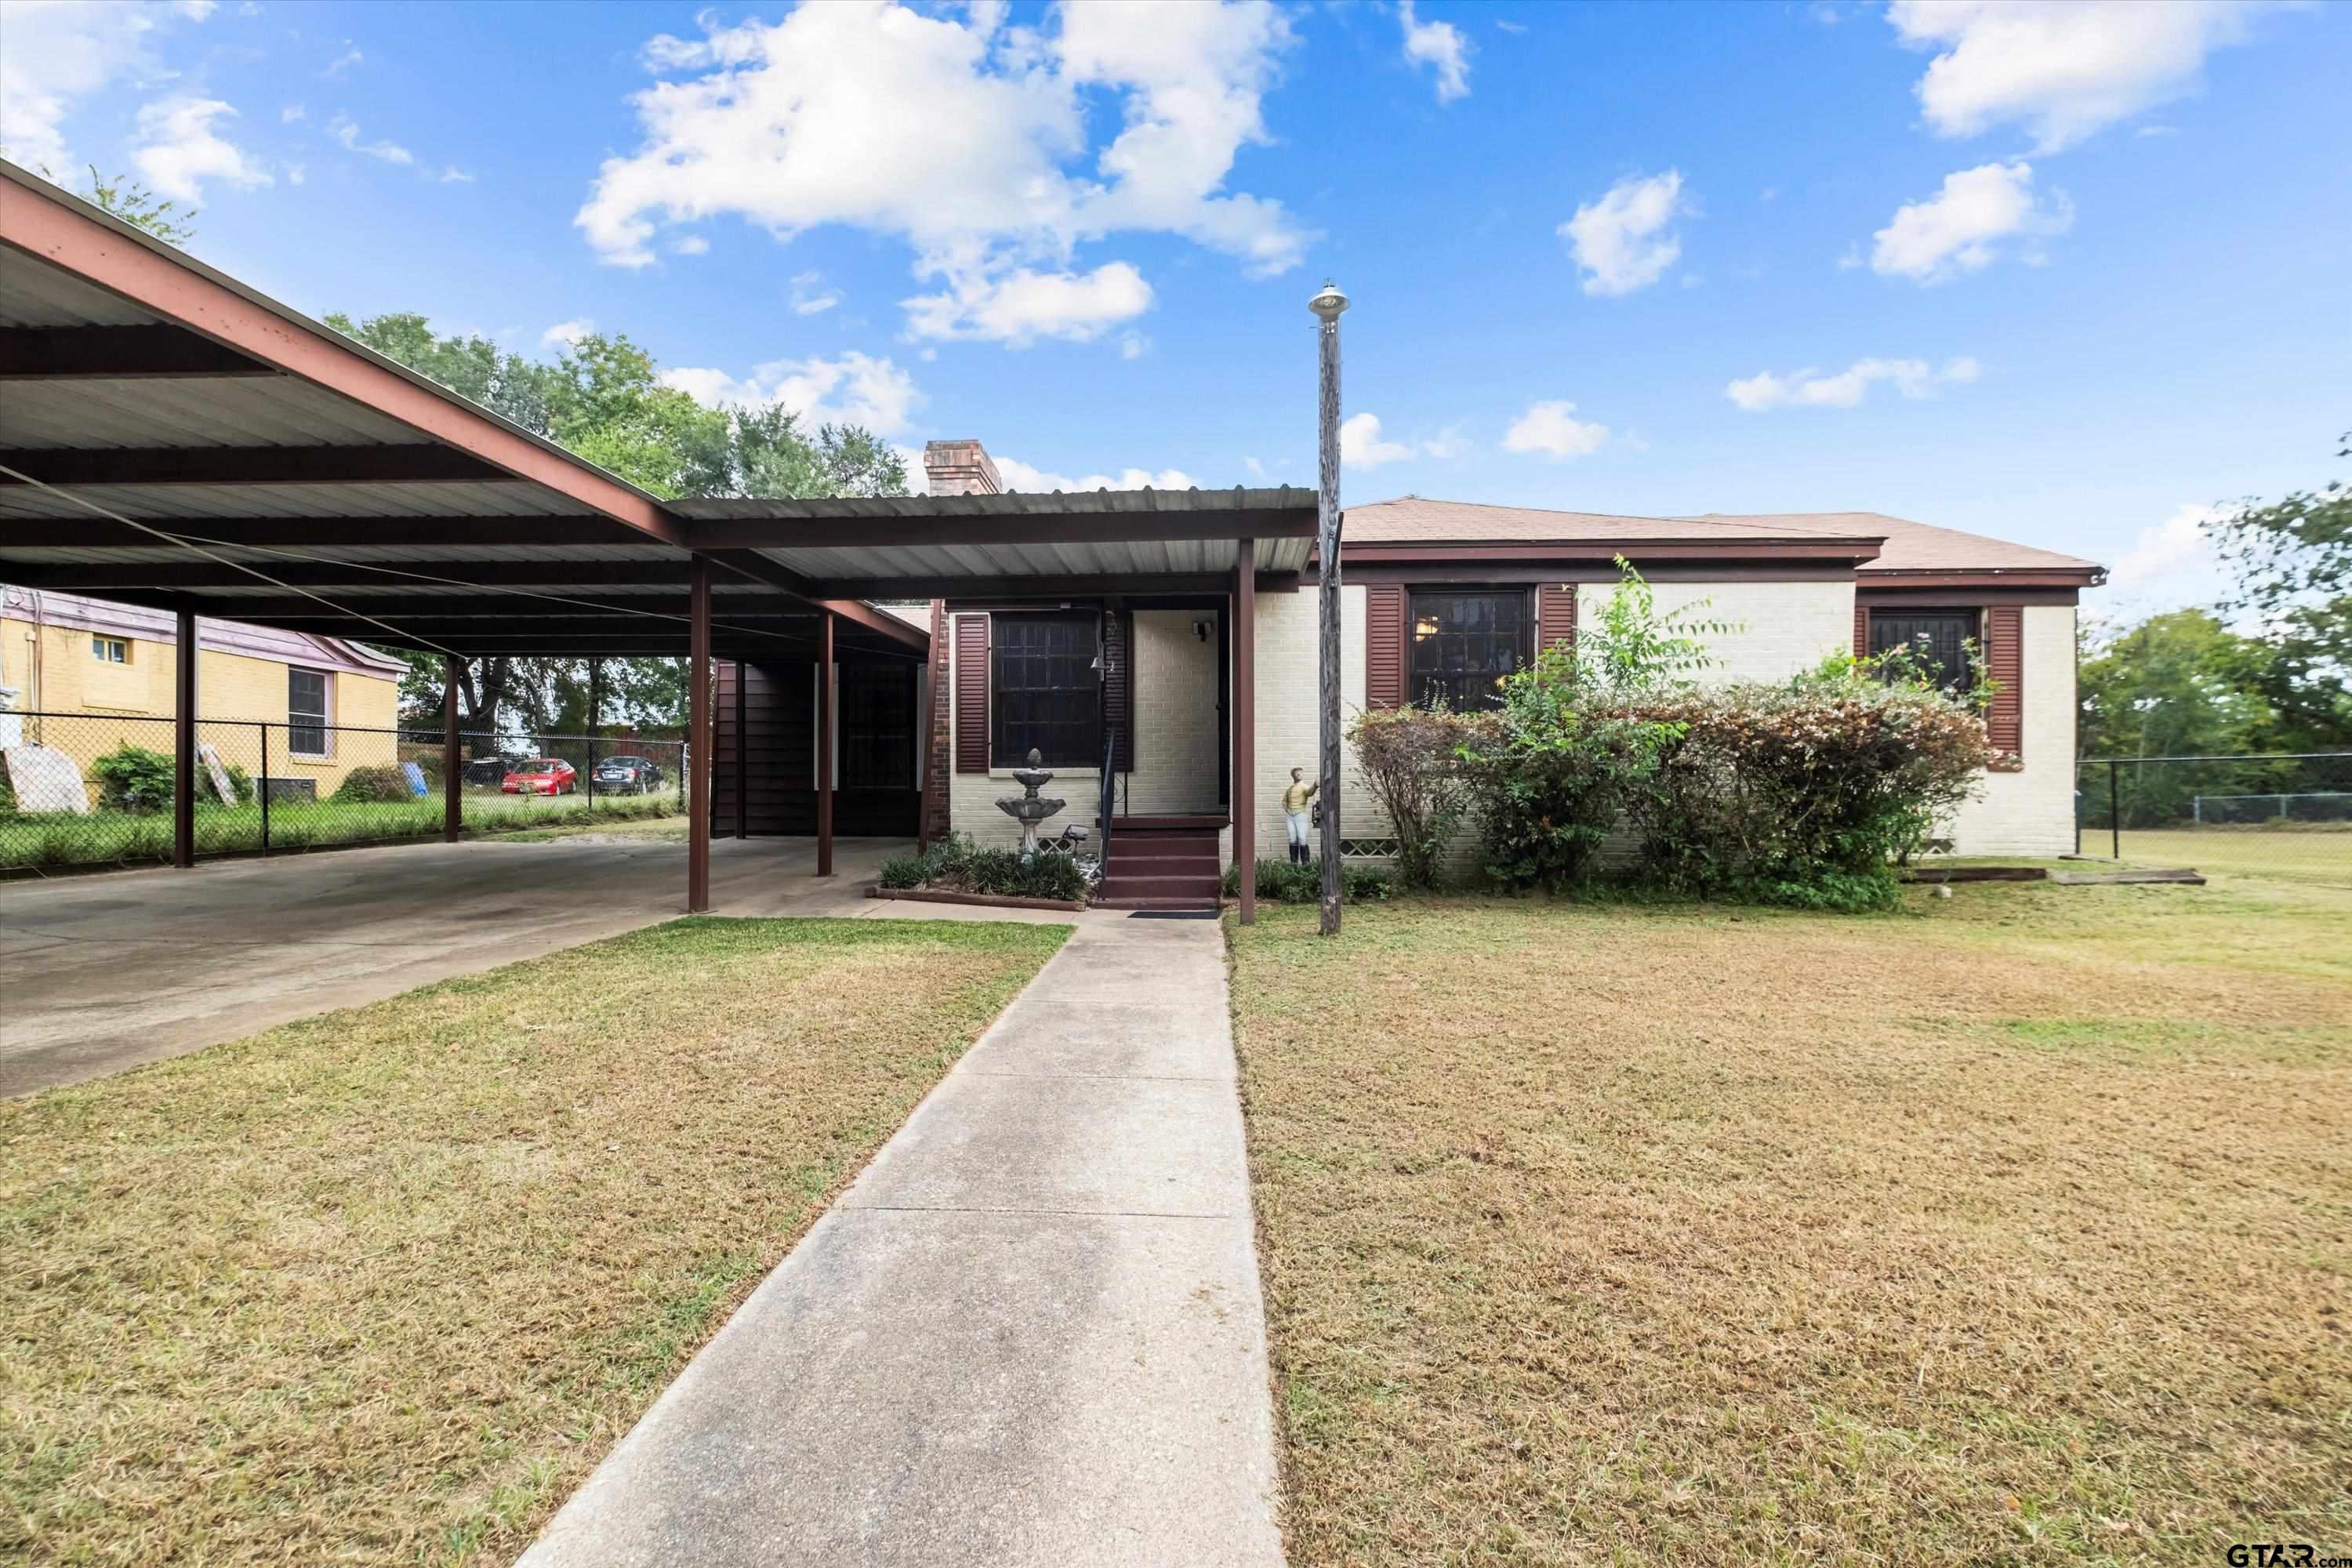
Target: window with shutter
(2004, 654)
(1465, 645)
(1384, 646)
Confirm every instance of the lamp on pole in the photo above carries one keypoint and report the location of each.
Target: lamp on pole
(1328, 305)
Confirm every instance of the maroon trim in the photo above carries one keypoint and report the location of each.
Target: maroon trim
(1981, 577)
(971, 694)
(1977, 593)
(1384, 641)
(420, 464)
(1414, 575)
(1243, 796)
(1555, 615)
(2004, 653)
(1822, 548)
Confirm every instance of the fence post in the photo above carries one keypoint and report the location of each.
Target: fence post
(453, 772)
(2115, 808)
(264, 785)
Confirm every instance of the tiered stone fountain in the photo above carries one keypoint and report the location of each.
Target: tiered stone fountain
(1029, 808)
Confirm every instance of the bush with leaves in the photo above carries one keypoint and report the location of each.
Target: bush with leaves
(1564, 758)
(1042, 876)
(134, 779)
(1284, 883)
(375, 783)
(902, 871)
(1409, 762)
(1808, 792)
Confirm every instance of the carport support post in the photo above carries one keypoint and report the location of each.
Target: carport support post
(453, 772)
(825, 744)
(697, 762)
(184, 744)
(1245, 742)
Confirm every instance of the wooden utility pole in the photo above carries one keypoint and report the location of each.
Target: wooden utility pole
(1328, 307)
(453, 771)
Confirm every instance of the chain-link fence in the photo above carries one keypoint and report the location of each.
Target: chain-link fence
(82, 789)
(2287, 816)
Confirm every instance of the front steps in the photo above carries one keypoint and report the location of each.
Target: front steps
(1162, 863)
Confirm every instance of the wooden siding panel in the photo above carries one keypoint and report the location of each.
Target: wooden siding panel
(971, 693)
(1555, 615)
(2004, 654)
(1862, 631)
(1384, 641)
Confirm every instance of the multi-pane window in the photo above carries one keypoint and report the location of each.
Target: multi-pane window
(306, 712)
(1046, 691)
(110, 650)
(1464, 644)
(1938, 640)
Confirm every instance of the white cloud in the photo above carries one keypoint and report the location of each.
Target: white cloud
(810, 297)
(2170, 563)
(1438, 43)
(689, 244)
(1022, 306)
(453, 176)
(2064, 68)
(178, 149)
(342, 129)
(1622, 241)
(1019, 476)
(1360, 446)
(296, 174)
(567, 333)
(1133, 345)
(968, 140)
(58, 51)
(344, 61)
(1847, 388)
(856, 389)
(1552, 429)
(292, 114)
(1967, 224)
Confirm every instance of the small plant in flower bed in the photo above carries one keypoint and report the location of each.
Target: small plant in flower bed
(1288, 884)
(956, 864)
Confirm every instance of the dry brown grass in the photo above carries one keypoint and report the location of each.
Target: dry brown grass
(383, 1286)
(2014, 1227)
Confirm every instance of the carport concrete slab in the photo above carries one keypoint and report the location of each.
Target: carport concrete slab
(107, 972)
(1029, 1336)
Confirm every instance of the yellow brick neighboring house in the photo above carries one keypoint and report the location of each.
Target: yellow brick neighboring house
(85, 676)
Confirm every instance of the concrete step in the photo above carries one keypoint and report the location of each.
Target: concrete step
(1172, 859)
(1164, 843)
(1118, 904)
(1118, 886)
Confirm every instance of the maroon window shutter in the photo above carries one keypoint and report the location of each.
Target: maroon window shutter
(1555, 615)
(2004, 654)
(1862, 631)
(1384, 646)
(971, 693)
(1119, 686)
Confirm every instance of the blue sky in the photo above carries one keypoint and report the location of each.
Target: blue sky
(2062, 274)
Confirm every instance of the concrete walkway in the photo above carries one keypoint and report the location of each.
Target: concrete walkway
(1030, 1333)
(103, 972)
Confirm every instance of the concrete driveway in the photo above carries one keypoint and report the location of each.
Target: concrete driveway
(103, 972)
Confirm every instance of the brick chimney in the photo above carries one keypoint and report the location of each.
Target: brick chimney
(960, 468)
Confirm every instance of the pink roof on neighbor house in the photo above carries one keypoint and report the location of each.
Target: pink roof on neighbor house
(1908, 547)
(106, 618)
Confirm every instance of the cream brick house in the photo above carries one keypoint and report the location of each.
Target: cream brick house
(1444, 597)
(84, 676)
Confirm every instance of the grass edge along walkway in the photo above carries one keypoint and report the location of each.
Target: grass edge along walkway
(383, 1285)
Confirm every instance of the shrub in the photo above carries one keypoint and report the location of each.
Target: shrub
(1284, 883)
(946, 856)
(134, 779)
(903, 872)
(374, 783)
(1004, 872)
(1806, 792)
(1561, 761)
(1411, 762)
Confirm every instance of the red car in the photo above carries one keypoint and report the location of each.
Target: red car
(541, 776)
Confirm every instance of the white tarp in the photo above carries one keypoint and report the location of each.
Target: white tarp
(45, 779)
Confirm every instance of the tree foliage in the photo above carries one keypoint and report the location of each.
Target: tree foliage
(604, 398)
(2293, 559)
(124, 196)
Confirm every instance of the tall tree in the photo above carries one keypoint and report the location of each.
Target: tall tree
(2294, 562)
(604, 398)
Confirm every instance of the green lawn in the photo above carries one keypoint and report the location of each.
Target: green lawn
(114, 837)
(2013, 1227)
(383, 1286)
(2323, 858)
